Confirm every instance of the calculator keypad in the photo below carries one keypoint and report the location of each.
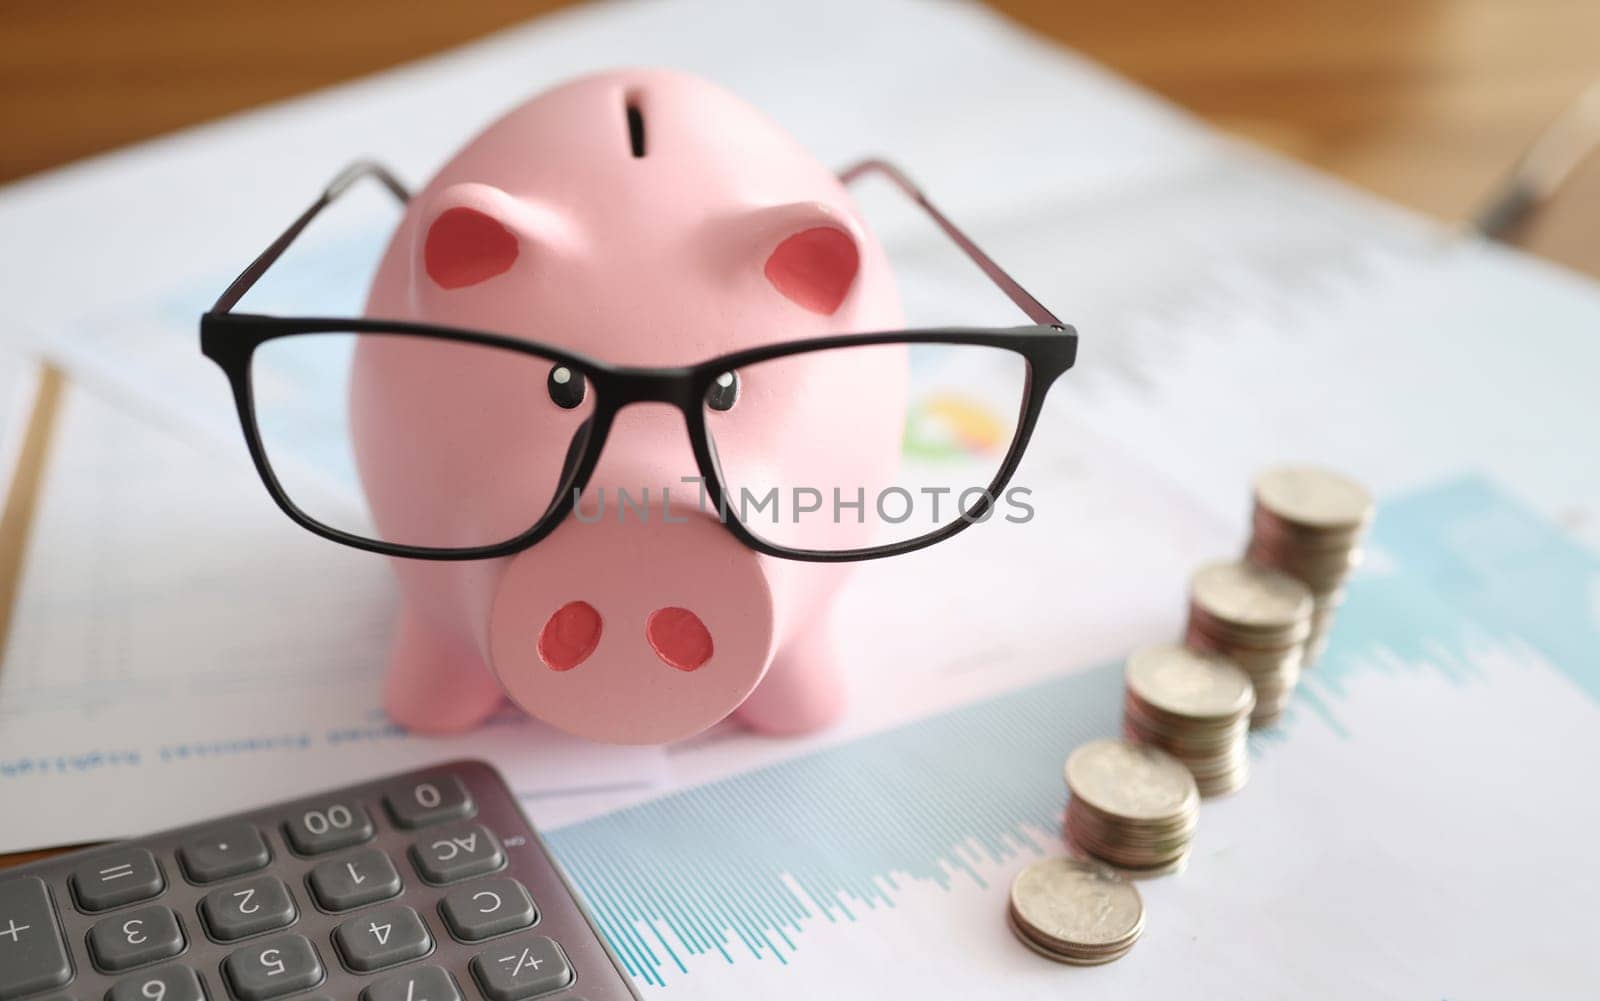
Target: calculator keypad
(273, 967)
(425, 983)
(457, 852)
(486, 908)
(123, 876)
(33, 956)
(134, 938)
(382, 938)
(248, 907)
(521, 968)
(363, 877)
(222, 852)
(164, 983)
(428, 800)
(328, 826)
(428, 886)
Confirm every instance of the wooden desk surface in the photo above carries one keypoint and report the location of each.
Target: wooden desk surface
(1427, 102)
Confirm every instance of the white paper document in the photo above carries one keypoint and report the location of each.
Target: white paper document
(1233, 312)
(180, 650)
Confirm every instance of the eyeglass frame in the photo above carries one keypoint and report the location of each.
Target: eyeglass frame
(230, 339)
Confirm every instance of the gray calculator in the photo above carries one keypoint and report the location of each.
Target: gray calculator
(426, 886)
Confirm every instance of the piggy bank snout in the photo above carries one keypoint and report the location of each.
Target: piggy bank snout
(634, 627)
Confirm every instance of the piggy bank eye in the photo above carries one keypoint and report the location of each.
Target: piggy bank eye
(565, 387)
(724, 392)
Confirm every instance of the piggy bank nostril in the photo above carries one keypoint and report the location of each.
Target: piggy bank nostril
(679, 638)
(570, 636)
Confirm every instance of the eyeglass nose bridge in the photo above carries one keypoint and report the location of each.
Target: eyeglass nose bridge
(672, 386)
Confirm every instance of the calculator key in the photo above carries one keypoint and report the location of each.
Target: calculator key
(487, 908)
(428, 800)
(164, 983)
(221, 852)
(383, 937)
(359, 878)
(33, 956)
(324, 827)
(117, 877)
(134, 938)
(522, 967)
(425, 983)
(457, 852)
(273, 967)
(247, 908)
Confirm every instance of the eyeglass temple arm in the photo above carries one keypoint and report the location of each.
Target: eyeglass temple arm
(1019, 295)
(338, 186)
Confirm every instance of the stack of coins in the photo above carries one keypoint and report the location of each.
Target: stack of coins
(1075, 912)
(1309, 523)
(1195, 706)
(1258, 618)
(1132, 806)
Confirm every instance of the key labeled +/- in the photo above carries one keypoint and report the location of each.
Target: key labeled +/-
(522, 967)
(418, 802)
(326, 826)
(381, 938)
(111, 879)
(486, 908)
(425, 983)
(273, 967)
(164, 983)
(457, 852)
(363, 877)
(246, 908)
(134, 938)
(33, 956)
(221, 852)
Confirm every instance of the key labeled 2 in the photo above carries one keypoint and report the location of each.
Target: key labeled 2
(246, 908)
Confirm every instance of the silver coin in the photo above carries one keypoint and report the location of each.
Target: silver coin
(1074, 906)
(1130, 781)
(1250, 597)
(1317, 499)
(1189, 683)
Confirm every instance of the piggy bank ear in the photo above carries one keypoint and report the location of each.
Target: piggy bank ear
(472, 233)
(815, 260)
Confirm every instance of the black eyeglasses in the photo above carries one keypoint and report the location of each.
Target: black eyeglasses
(945, 415)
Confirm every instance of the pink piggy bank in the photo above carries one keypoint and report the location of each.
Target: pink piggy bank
(638, 218)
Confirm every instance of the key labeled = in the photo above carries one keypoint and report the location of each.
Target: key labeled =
(124, 876)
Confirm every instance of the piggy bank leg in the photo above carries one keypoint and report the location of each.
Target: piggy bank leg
(804, 690)
(437, 683)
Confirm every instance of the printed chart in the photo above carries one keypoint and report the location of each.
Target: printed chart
(883, 862)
